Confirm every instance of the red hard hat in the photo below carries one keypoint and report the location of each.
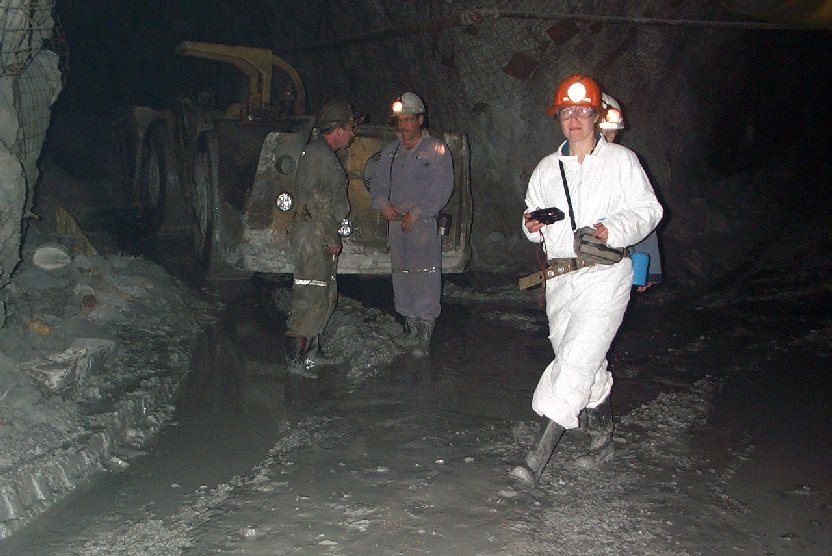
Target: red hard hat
(576, 90)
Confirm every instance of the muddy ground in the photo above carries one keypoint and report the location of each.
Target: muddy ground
(722, 436)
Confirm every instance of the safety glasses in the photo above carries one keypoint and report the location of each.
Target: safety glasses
(580, 112)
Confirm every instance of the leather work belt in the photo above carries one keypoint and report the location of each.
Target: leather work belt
(557, 267)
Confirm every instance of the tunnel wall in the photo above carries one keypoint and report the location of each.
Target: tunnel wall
(29, 83)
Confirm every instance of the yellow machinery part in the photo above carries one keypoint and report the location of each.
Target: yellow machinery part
(256, 64)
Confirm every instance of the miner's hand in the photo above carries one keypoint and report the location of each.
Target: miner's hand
(390, 212)
(601, 232)
(533, 226)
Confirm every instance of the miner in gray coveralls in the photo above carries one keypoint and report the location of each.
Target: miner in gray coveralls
(413, 180)
(321, 204)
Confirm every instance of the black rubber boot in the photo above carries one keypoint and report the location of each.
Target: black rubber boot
(600, 427)
(544, 445)
(316, 357)
(296, 347)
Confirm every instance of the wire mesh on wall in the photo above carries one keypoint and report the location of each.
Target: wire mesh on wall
(34, 93)
(32, 47)
(463, 65)
(492, 59)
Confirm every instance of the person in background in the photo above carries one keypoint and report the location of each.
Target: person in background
(413, 180)
(611, 193)
(322, 204)
(611, 125)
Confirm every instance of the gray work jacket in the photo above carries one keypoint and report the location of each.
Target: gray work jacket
(419, 181)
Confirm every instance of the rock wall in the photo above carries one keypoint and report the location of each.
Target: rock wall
(30, 81)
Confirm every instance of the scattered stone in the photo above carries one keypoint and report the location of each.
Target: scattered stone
(53, 258)
(803, 490)
(119, 463)
(39, 327)
(249, 532)
(69, 368)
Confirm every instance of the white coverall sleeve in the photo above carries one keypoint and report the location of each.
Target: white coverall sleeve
(644, 212)
(534, 201)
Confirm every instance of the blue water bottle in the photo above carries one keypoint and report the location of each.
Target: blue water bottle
(641, 265)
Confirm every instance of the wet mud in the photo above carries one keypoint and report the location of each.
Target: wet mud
(720, 445)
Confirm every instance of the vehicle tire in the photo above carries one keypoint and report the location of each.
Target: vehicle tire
(204, 192)
(153, 177)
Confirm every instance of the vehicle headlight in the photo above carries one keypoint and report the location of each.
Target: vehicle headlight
(285, 201)
(346, 228)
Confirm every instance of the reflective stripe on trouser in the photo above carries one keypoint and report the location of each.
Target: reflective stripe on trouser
(314, 291)
(585, 309)
(416, 260)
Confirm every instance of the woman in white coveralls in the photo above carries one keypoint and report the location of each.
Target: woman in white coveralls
(610, 192)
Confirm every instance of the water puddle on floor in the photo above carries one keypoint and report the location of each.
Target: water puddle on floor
(233, 406)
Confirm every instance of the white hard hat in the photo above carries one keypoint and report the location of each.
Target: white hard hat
(408, 103)
(612, 115)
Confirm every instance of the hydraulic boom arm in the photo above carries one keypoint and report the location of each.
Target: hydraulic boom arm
(256, 64)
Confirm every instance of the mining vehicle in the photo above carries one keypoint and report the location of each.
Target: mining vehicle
(223, 174)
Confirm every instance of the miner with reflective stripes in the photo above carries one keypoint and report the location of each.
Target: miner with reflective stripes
(321, 204)
(413, 180)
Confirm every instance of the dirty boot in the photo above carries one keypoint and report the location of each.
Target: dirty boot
(599, 426)
(425, 333)
(296, 356)
(316, 357)
(410, 338)
(296, 347)
(537, 458)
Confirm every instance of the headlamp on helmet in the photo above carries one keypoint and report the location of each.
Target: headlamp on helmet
(408, 103)
(613, 116)
(576, 92)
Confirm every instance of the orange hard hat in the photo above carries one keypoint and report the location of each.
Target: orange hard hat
(576, 90)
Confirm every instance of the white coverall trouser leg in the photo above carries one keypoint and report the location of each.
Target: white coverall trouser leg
(585, 309)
